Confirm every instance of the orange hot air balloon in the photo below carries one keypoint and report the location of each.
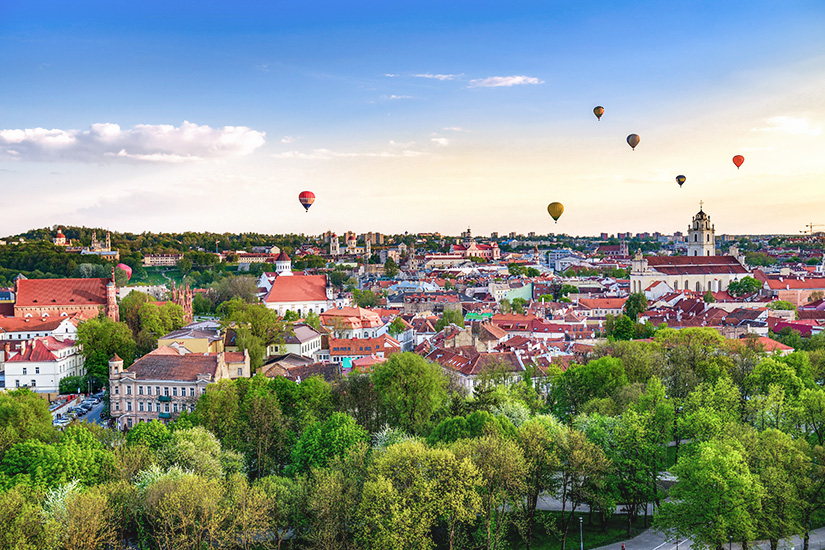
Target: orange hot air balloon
(306, 198)
(555, 209)
(598, 111)
(680, 180)
(738, 160)
(633, 140)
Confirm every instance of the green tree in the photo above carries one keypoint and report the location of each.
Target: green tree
(635, 304)
(411, 390)
(536, 438)
(313, 319)
(390, 268)
(716, 497)
(397, 327)
(101, 339)
(256, 326)
(323, 441)
(747, 285)
(624, 328)
(152, 434)
(24, 416)
(24, 525)
(450, 316)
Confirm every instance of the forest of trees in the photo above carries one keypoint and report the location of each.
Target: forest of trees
(401, 458)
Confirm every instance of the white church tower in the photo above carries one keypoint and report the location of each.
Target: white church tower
(701, 235)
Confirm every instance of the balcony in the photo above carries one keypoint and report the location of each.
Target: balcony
(164, 415)
(164, 398)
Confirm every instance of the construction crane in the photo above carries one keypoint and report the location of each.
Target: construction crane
(810, 228)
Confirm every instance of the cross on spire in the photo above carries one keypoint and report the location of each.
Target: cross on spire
(701, 204)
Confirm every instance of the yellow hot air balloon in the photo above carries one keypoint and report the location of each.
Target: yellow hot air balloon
(633, 140)
(680, 179)
(598, 111)
(555, 209)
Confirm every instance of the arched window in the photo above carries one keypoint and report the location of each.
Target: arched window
(695, 253)
(695, 237)
(698, 286)
(675, 285)
(708, 238)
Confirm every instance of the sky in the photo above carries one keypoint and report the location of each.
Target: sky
(411, 116)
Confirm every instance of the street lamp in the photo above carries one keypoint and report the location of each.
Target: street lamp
(730, 542)
(581, 531)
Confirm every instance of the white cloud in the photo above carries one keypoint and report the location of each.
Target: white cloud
(287, 139)
(454, 129)
(147, 143)
(500, 81)
(440, 141)
(390, 75)
(392, 97)
(327, 154)
(436, 76)
(791, 125)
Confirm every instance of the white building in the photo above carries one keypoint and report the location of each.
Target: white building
(42, 363)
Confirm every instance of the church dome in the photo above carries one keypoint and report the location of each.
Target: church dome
(283, 257)
(700, 215)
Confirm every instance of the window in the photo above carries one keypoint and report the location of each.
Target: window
(175, 407)
(183, 392)
(166, 407)
(157, 390)
(140, 406)
(36, 370)
(140, 390)
(240, 372)
(117, 390)
(192, 392)
(34, 383)
(166, 391)
(128, 390)
(117, 405)
(25, 370)
(175, 391)
(17, 383)
(128, 406)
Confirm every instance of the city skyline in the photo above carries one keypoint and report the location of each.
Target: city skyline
(411, 118)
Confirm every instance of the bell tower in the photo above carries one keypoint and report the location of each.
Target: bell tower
(701, 235)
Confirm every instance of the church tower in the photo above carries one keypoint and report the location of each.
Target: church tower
(701, 235)
(334, 249)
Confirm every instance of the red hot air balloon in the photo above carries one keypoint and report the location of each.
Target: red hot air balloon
(306, 199)
(126, 269)
(598, 111)
(738, 160)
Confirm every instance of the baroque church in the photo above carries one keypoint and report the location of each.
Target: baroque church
(700, 270)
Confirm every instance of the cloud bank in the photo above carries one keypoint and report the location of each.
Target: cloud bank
(144, 143)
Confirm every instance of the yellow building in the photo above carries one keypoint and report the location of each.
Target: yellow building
(204, 337)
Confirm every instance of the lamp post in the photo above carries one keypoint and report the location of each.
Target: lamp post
(581, 531)
(730, 542)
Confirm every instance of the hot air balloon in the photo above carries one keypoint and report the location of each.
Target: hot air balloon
(738, 160)
(633, 140)
(598, 111)
(680, 180)
(306, 199)
(555, 209)
(126, 269)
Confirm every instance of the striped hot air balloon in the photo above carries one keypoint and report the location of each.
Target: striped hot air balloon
(306, 198)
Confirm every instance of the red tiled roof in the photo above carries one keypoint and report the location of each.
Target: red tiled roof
(602, 303)
(41, 350)
(62, 292)
(363, 346)
(233, 356)
(298, 288)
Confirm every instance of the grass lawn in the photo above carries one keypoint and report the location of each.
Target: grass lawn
(594, 535)
(154, 277)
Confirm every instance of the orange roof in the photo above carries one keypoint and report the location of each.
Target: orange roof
(61, 292)
(29, 324)
(363, 346)
(796, 284)
(602, 303)
(298, 288)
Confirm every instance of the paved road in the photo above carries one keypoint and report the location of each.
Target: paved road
(93, 416)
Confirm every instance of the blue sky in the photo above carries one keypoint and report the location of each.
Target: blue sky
(425, 116)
